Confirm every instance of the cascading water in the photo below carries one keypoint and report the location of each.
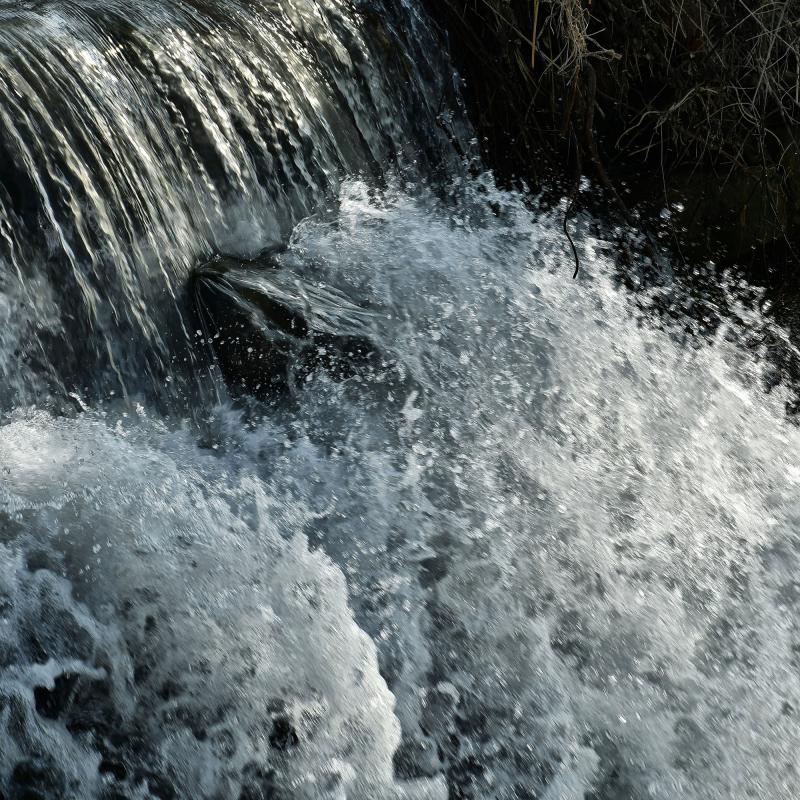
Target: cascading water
(535, 546)
(136, 138)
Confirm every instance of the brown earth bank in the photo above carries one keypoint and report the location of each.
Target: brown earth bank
(683, 114)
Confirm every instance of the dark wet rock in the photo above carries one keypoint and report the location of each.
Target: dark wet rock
(51, 703)
(113, 767)
(283, 735)
(37, 779)
(259, 784)
(41, 559)
(432, 570)
(82, 703)
(160, 787)
(6, 606)
(16, 192)
(171, 689)
(270, 329)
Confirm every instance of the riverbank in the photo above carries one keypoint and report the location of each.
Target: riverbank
(684, 117)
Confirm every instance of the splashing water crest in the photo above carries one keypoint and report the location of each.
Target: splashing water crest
(544, 549)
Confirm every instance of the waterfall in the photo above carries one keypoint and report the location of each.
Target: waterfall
(138, 138)
(319, 475)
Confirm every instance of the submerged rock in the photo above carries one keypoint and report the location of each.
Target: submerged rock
(269, 328)
(37, 779)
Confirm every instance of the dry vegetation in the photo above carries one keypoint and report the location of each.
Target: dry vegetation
(688, 90)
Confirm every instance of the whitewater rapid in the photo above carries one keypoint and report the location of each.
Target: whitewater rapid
(541, 545)
(560, 562)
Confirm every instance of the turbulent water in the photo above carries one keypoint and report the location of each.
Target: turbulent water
(136, 137)
(538, 547)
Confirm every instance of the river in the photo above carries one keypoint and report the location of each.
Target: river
(537, 543)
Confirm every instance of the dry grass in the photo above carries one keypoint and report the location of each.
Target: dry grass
(682, 84)
(736, 95)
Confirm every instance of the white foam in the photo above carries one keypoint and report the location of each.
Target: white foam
(191, 569)
(567, 542)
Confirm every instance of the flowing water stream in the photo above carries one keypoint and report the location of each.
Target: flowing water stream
(536, 544)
